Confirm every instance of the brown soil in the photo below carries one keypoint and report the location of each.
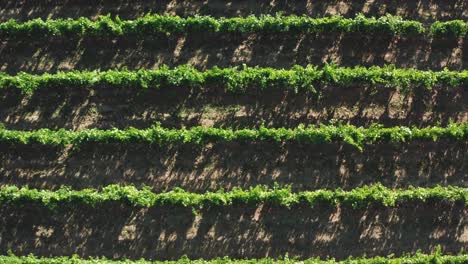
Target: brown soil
(226, 165)
(107, 107)
(423, 10)
(239, 232)
(208, 50)
(117, 231)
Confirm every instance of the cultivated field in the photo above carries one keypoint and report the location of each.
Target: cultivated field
(233, 131)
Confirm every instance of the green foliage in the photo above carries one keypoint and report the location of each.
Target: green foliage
(239, 79)
(157, 24)
(151, 24)
(355, 136)
(356, 198)
(407, 259)
(457, 28)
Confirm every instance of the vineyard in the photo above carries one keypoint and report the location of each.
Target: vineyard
(233, 132)
(239, 80)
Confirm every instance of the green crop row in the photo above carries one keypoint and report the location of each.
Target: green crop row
(355, 136)
(241, 79)
(408, 259)
(157, 24)
(357, 198)
(450, 28)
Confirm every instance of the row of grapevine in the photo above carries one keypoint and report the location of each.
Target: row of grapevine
(239, 79)
(156, 24)
(355, 136)
(311, 190)
(356, 198)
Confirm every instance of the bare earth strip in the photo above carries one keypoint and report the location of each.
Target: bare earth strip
(227, 165)
(423, 10)
(117, 231)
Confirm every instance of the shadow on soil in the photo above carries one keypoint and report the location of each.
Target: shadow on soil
(240, 232)
(107, 107)
(227, 165)
(423, 10)
(208, 50)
